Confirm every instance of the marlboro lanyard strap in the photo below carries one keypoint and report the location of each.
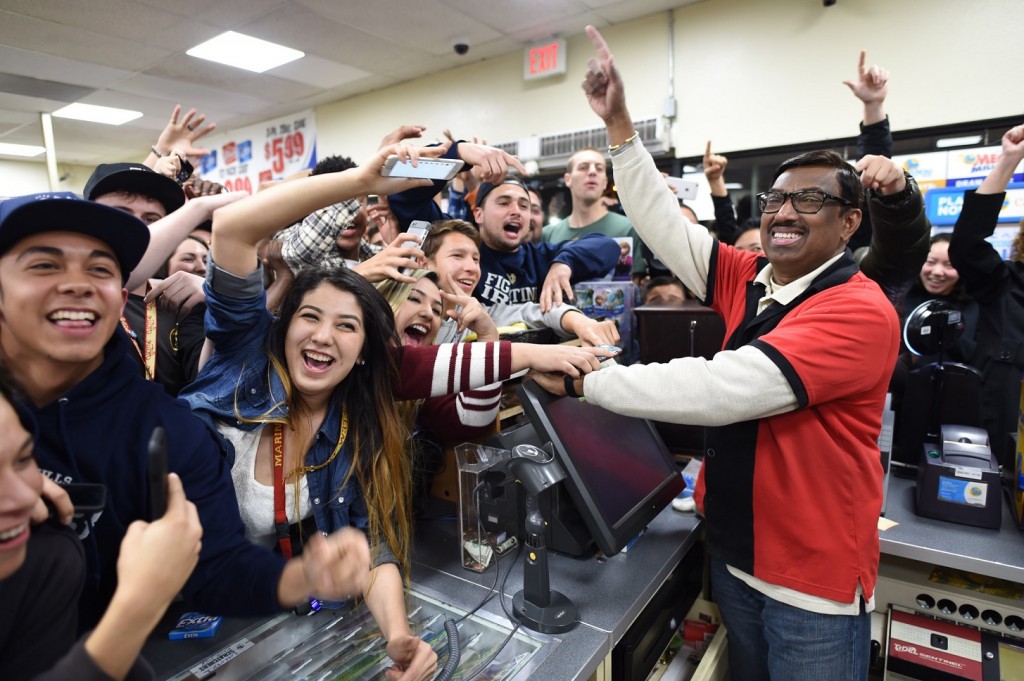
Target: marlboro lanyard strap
(284, 537)
(148, 352)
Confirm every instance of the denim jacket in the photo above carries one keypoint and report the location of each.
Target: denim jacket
(239, 381)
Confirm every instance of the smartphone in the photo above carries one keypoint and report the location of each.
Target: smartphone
(426, 168)
(372, 199)
(87, 497)
(420, 228)
(684, 189)
(185, 170)
(157, 473)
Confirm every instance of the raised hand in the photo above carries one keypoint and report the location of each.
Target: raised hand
(1013, 141)
(402, 133)
(871, 84)
(714, 170)
(182, 134)
(603, 86)
(881, 174)
(490, 163)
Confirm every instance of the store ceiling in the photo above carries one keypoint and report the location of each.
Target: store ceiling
(131, 54)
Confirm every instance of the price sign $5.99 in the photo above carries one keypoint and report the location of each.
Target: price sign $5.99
(283, 148)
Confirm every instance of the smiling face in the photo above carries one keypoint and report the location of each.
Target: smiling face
(459, 256)
(419, 317)
(352, 233)
(324, 339)
(749, 241)
(60, 301)
(587, 176)
(189, 256)
(938, 276)
(798, 243)
(503, 217)
(20, 486)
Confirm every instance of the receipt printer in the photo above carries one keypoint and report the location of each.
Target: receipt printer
(958, 479)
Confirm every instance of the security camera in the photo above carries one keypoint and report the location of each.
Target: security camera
(461, 46)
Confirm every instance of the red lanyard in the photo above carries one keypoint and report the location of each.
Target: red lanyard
(284, 538)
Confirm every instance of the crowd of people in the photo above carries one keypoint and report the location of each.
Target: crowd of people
(307, 356)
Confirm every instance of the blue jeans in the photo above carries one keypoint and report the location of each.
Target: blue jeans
(769, 640)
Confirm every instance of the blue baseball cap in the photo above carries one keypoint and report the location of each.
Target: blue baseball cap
(23, 216)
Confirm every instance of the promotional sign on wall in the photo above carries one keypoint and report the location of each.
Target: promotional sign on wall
(928, 169)
(271, 150)
(943, 205)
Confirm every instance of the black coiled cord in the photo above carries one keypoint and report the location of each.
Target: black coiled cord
(454, 651)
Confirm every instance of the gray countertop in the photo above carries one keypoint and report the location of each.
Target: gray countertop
(609, 592)
(995, 553)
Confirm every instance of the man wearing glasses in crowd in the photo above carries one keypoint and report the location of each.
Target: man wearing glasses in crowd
(791, 486)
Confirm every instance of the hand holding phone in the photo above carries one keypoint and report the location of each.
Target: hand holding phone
(157, 473)
(425, 168)
(419, 228)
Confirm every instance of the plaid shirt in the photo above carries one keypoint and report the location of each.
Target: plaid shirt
(313, 242)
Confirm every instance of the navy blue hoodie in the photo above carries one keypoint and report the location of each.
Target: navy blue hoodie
(99, 432)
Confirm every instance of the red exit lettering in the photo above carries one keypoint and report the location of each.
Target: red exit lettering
(543, 58)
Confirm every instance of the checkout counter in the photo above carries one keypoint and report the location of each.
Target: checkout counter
(956, 593)
(646, 585)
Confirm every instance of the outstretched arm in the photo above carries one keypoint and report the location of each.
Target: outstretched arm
(239, 227)
(980, 266)
(726, 225)
(168, 232)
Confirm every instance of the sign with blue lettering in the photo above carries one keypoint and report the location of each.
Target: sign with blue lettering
(943, 204)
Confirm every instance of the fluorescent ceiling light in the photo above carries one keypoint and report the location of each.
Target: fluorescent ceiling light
(244, 52)
(734, 185)
(97, 114)
(957, 141)
(689, 169)
(20, 150)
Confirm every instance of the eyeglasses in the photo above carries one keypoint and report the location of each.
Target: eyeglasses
(808, 201)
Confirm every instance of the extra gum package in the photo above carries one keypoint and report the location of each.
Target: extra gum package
(195, 625)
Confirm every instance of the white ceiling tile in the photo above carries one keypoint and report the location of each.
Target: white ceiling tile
(120, 18)
(29, 33)
(230, 79)
(35, 64)
(318, 72)
(226, 14)
(203, 98)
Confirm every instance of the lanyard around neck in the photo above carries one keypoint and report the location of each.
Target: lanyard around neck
(147, 353)
(284, 538)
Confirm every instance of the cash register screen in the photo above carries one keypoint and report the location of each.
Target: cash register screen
(620, 475)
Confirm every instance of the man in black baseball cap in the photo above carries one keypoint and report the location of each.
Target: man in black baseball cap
(127, 183)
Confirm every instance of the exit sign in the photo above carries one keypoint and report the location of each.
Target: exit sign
(544, 59)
